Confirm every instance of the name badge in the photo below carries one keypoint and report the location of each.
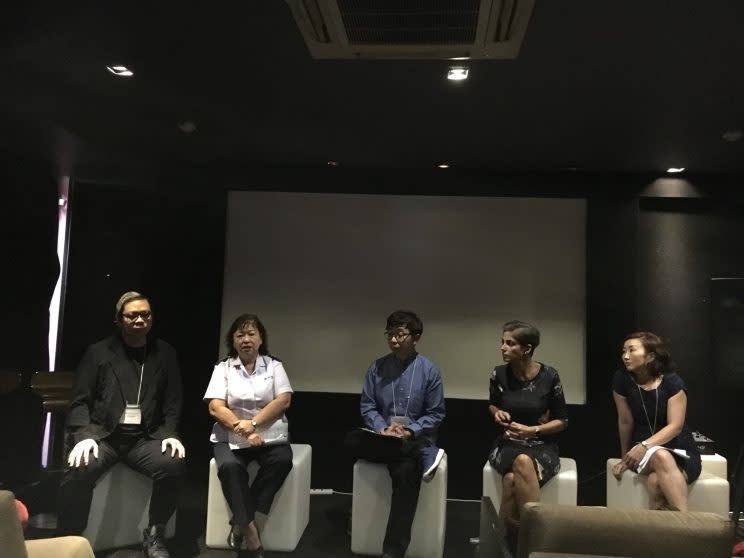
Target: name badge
(403, 421)
(132, 415)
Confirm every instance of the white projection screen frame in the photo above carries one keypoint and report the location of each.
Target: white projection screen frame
(323, 272)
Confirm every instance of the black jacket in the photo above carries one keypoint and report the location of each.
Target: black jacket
(98, 402)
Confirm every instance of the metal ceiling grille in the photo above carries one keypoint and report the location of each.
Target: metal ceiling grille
(422, 29)
(410, 22)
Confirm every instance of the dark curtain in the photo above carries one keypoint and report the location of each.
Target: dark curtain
(168, 243)
(28, 230)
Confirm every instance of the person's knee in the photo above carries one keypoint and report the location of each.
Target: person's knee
(170, 469)
(662, 460)
(230, 468)
(286, 463)
(508, 481)
(523, 465)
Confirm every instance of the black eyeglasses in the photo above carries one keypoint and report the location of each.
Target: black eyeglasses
(398, 336)
(132, 316)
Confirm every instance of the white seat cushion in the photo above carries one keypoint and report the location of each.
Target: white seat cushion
(561, 489)
(709, 493)
(715, 465)
(371, 506)
(119, 510)
(289, 514)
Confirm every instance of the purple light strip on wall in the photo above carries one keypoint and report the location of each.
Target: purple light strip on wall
(63, 190)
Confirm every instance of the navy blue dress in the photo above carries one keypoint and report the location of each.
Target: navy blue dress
(650, 416)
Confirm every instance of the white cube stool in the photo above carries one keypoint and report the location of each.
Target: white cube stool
(715, 465)
(370, 509)
(289, 514)
(119, 510)
(561, 489)
(709, 493)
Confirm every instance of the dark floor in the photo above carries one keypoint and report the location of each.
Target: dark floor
(326, 534)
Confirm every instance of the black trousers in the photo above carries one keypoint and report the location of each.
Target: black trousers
(244, 499)
(143, 455)
(403, 461)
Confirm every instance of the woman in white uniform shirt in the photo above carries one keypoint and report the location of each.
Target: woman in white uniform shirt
(247, 395)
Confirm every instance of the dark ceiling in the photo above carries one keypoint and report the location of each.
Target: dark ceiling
(599, 86)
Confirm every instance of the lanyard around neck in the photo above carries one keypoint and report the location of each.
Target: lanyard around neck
(410, 390)
(142, 374)
(656, 408)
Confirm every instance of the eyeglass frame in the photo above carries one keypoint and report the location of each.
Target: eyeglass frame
(132, 316)
(390, 335)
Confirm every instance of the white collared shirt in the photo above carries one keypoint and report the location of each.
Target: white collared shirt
(245, 394)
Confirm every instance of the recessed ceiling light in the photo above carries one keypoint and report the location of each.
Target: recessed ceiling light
(443, 166)
(121, 71)
(672, 170)
(457, 73)
(732, 135)
(187, 126)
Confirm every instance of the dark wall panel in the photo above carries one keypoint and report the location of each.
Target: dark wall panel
(727, 331)
(682, 245)
(28, 236)
(168, 244)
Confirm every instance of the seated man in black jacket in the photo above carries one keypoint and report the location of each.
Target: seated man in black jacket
(125, 407)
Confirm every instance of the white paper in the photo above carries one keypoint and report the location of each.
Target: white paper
(643, 464)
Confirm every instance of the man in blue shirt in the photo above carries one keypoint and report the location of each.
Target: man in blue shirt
(402, 398)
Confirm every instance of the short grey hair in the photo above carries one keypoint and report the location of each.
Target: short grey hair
(124, 299)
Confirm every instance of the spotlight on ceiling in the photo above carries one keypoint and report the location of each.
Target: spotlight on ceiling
(187, 126)
(733, 135)
(457, 73)
(672, 170)
(121, 71)
(443, 166)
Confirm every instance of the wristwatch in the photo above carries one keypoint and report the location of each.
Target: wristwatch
(644, 443)
(537, 431)
(254, 423)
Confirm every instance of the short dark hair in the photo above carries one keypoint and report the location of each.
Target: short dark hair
(407, 319)
(245, 320)
(524, 333)
(653, 344)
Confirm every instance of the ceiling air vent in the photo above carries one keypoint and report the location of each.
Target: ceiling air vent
(434, 29)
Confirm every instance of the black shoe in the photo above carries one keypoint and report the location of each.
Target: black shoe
(257, 553)
(235, 538)
(153, 542)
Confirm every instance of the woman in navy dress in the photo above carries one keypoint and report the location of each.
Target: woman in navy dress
(651, 402)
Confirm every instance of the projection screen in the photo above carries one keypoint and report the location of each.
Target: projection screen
(323, 271)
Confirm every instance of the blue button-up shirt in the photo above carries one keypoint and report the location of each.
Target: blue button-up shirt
(411, 388)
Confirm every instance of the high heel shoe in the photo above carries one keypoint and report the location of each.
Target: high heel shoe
(257, 553)
(235, 538)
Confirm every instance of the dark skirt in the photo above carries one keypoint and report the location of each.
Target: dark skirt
(691, 466)
(544, 456)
